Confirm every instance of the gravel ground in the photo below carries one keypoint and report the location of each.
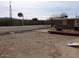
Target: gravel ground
(40, 44)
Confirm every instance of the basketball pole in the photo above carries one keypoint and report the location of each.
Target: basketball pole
(23, 20)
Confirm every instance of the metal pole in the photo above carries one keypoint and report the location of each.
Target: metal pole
(23, 21)
(10, 11)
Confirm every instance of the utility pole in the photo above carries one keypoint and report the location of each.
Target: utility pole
(10, 11)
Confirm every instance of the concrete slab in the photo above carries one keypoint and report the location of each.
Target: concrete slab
(65, 32)
(43, 30)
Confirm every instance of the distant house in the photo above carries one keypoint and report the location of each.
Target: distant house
(65, 23)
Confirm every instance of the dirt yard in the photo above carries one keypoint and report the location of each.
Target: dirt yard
(37, 44)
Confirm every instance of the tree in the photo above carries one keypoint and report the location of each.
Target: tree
(63, 15)
(77, 16)
(50, 21)
(35, 19)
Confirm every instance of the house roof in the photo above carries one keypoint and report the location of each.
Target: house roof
(65, 18)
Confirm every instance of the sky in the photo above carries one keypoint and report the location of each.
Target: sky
(40, 9)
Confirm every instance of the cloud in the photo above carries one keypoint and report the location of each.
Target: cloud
(40, 9)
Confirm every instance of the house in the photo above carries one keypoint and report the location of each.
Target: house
(65, 23)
